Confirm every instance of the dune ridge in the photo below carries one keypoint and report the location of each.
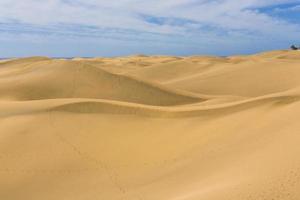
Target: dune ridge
(151, 128)
(69, 79)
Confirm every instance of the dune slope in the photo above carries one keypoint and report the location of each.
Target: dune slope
(54, 79)
(167, 128)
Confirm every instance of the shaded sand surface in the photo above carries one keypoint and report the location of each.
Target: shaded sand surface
(151, 128)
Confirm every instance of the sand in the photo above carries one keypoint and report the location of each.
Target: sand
(151, 128)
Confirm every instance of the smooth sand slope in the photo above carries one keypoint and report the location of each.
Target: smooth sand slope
(151, 128)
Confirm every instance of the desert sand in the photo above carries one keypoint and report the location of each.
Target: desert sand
(151, 128)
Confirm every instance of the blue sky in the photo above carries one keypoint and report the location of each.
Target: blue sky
(69, 28)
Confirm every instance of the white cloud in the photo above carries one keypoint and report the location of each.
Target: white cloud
(207, 20)
(230, 14)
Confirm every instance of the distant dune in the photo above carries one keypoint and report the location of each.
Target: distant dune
(151, 128)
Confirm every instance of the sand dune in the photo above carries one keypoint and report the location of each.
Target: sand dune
(54, 79)
(151, 128)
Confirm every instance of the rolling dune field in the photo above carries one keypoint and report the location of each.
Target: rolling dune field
(151, 128)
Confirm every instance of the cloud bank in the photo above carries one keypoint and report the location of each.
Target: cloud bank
(153, 26)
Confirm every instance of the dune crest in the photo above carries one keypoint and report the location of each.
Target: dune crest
(151, 128)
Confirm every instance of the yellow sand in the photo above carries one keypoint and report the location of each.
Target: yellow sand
(151, 128)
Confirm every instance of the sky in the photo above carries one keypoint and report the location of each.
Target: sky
(89, 28)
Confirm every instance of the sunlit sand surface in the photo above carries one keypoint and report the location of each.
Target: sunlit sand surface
(151, 128)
